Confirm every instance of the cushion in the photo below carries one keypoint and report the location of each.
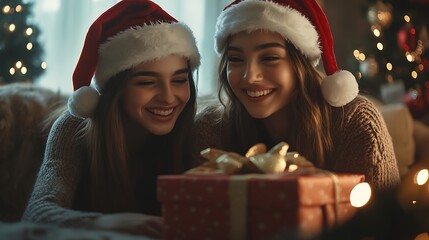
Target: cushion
(400, 126)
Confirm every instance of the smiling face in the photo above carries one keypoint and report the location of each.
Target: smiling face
(260, 73)
(156, 93)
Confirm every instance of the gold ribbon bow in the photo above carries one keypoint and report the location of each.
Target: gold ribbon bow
(256, 160)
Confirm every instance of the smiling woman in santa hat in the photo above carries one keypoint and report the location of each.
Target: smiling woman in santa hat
(272, 91)
(127, 122)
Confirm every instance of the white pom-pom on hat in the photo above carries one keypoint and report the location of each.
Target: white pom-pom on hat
(339, 88)
(301, 22)
(83, 102)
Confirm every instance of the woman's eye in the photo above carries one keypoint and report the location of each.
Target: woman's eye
(180, 81)
(234, 59)
(270, 58)
(145, 83)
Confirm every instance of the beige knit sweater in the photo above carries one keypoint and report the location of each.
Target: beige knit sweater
(362, 146)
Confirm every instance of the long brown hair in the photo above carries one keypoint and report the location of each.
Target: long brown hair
(310, 113)
(111, 188)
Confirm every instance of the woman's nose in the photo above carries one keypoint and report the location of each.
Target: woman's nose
(252, 73)
(165, 94)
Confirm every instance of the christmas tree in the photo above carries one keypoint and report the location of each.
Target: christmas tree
(20, 51)
(392, 63)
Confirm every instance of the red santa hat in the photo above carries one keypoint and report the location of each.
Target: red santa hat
(126, 35)
(304, 24)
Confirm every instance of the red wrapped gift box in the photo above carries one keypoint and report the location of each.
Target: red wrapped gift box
(254, 206)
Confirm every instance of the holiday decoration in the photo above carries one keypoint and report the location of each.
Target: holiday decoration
(222, 198)
(396, 50)
(380, 13)
(369, 67)
(20, 50)
(416, 102)
(407, 39)
(256, 160)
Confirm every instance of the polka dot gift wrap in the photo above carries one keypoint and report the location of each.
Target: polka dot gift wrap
(272, 205)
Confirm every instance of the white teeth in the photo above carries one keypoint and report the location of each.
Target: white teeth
(161, 112)
(259, 93)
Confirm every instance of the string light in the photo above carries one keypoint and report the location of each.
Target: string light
(375, 31)
(359, 75)
(356, 54)
(380, 46)
(29, 31)
(12, 27)
(29, 46)
(389, 66)
(23, 70)
(414, 74)
(360, 195)
(410, 57)
(44, 65)
(6, 9)
(407, 18)
(12, 71)
(421, 177)
(18, 64)
(18, 8)
(389, 78)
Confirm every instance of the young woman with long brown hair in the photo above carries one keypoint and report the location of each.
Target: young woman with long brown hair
(272, 91)
(119, 133)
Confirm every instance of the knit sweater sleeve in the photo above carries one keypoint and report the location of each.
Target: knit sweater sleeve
(56, 184)
(363, 145)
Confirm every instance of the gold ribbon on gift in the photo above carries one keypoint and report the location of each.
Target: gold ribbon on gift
(256, 162)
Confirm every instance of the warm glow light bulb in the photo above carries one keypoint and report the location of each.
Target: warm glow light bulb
(414, 74)
(6, 9)
(380, 46)
(29, 31)
(360, 195)
(12, 27)
(362, 57)
(29, 46)
(389, 66)
(421, 177)
(18, 64)
(407, 18)
(18, 8)
(389, 78)
(12, 71)
(44, 65)
(376, 32)
(23, 70)
(409, 56)
(356, 54)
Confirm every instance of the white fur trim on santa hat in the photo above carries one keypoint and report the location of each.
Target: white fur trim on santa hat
(254, 15)
(83, 102)
(140, 44)
(340, 88)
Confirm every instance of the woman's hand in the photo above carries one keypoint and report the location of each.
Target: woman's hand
(132, 223)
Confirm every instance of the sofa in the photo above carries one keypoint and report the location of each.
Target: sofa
(24, 129)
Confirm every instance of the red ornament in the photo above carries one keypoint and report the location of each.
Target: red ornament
(407, 39)
(425, 63)
(416, 103)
